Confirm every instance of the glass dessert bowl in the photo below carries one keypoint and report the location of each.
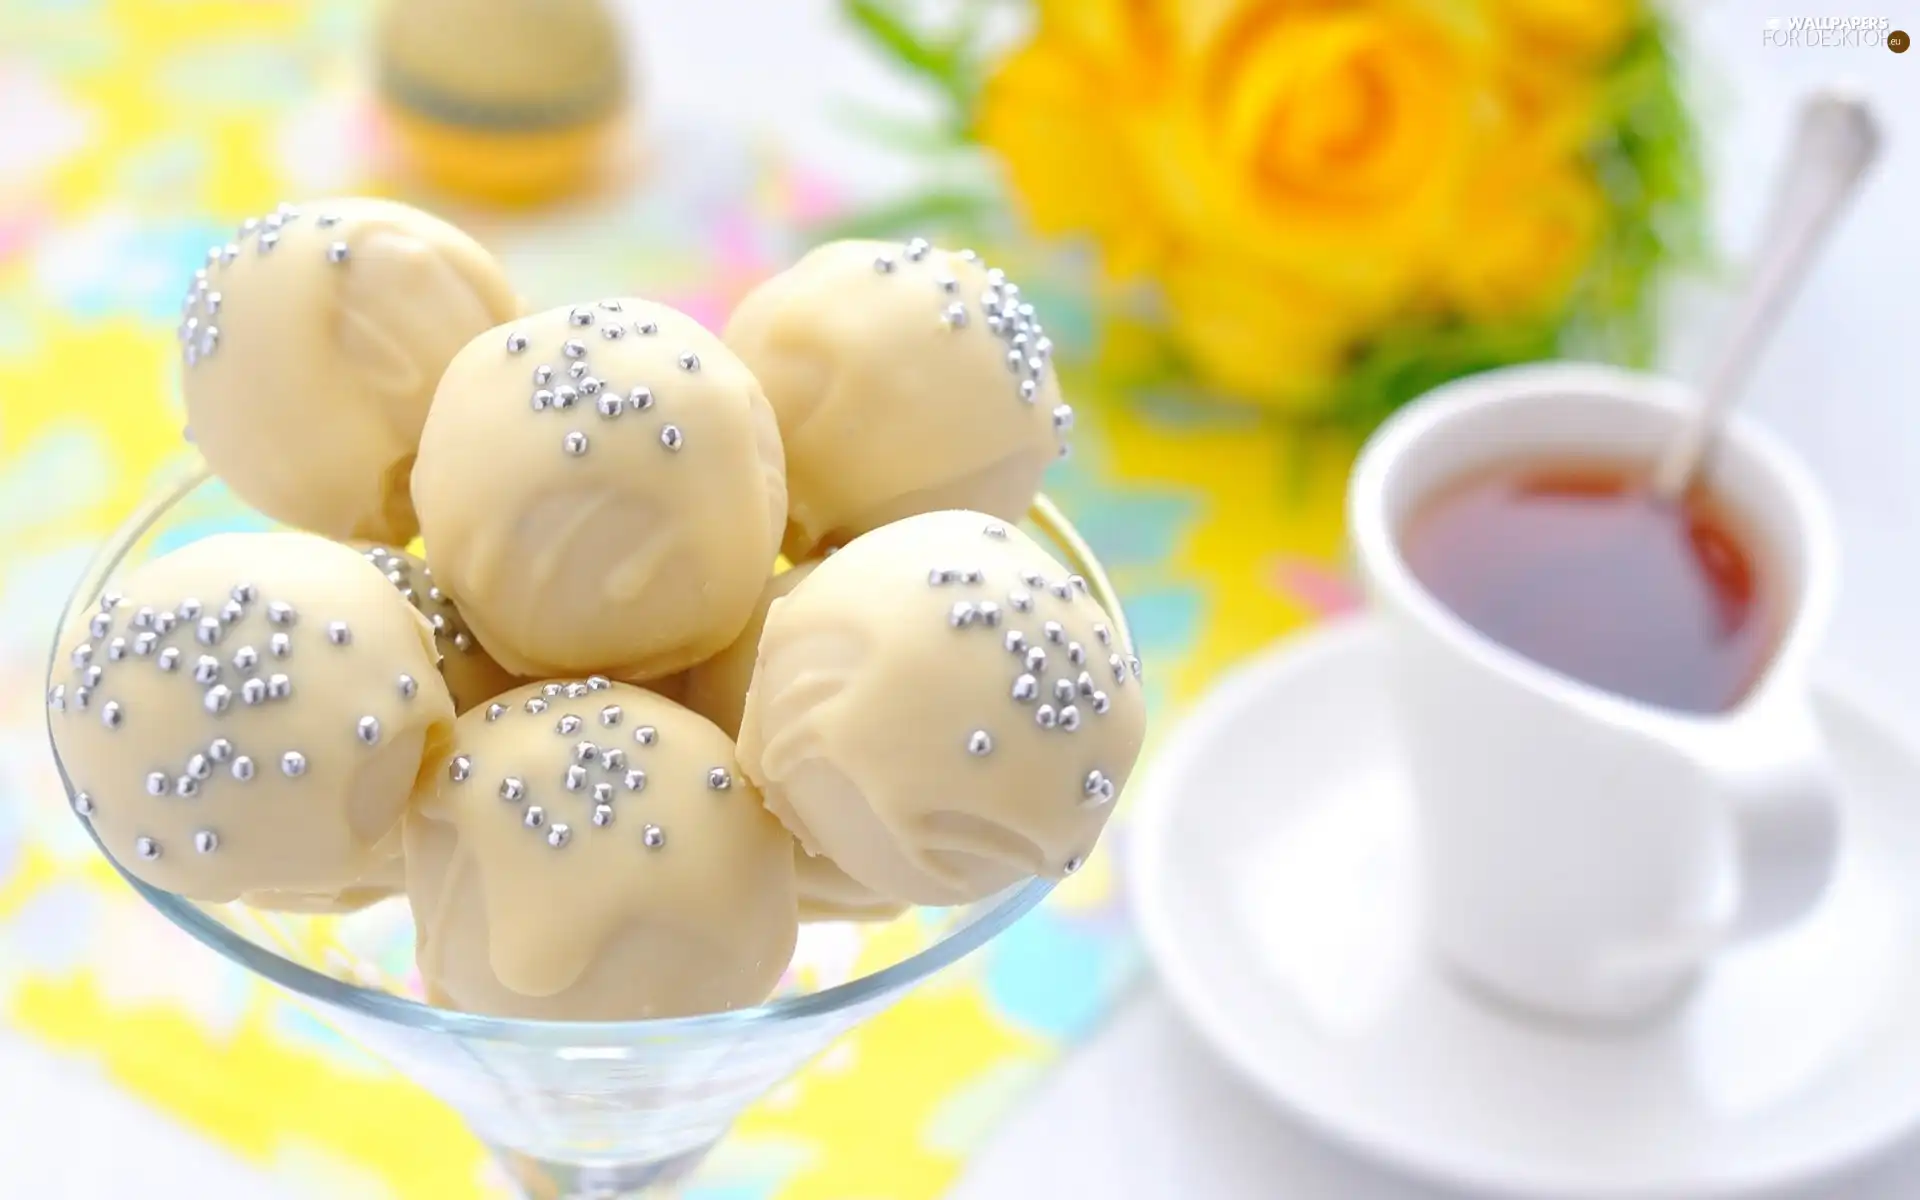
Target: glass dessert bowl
(573, 1109)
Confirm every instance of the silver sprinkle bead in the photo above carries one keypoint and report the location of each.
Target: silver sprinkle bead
(1026, 689)
(559, 835)
(460, 769)
(575, 443)
(1134, 662)
(280, 645)
(568, 724)
(144, 643)
(542, 374)
(157, 783)
(653, 837)
(635, 780)
(990, 613)
(368, 730)
(947, 284)
(612, 333)
(279, 612)
(1084, 684)
(80, 698)
(516, 342)
(92, 676)
(1055, 633)
(689, 362)
(513, 789)
(83, 804)
(574, 349)
(610, 715)
(246, 658)
(719, 779)
(1063, 690)
(586, 753)
(1118, 667)
(576, 778)
(242, 768)
(534, 817)
(603, 793)
(1101, 703)
(883, 265)
(917, 249)
(81, 654)
(231, 611)
(1061, 591)
(143, 619)
(980, 743)
(962, 615)
(1045, 717)
(613, 758)
(1070, 718)
(186, 787)
(293, 764)
(602, 815)
(407, 688)
(1015, 361)
(646, 735)
(647, 328)
(577, 690)
(1073, 865)
(598, 683)
(116, 649)
(581, 316)
(189, 610)
(1015, 642)
(146, 848)
(206, 841)
(550, 690)
(338, 633)
(1063, 417)
(1076, 653)
(57, 698)
(995, 529)
(589, 386)
(610, 406)
(612, 306)
(1101, 631)
(955, 316)
(1036, 660)
(496, 711)
(100, 625)
(671, 437)
(542, 399)
(218, 698)
(640, 399)
(536, 705)
(220, 750)
(1033, 579)
(200, 767)
(279, 687)
(164, 622)
(337, 252)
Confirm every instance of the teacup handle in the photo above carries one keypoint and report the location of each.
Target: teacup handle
(1783, 815)
(1780, 803)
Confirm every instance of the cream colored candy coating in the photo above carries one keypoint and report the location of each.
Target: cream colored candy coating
(601, 490)
(942, 710)
(829, 894)
(249, 718)
(717, 688)
(907, 379)
(471, 674)
(590, 851)
(312, 343)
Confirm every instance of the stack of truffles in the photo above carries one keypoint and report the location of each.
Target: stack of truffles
(607, 748)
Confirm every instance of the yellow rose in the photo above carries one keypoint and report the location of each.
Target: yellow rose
(1585, 29)
(1296, 174)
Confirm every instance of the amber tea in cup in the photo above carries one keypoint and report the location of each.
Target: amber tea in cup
(1577, 565)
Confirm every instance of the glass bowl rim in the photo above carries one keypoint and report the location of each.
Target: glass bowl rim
(1007, 906)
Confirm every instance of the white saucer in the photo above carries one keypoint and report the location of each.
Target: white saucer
(1271, 865)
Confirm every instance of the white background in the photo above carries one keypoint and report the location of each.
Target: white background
(1143, 1111)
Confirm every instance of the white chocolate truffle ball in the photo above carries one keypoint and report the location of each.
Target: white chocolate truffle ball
(249, 716)
(829, 894)
(907, 379)
(590, 851)
(942, 710)
(312, 345)
(601, 489)
(471, 674)
(717, 688)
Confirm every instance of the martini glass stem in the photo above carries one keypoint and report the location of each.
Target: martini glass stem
(542, 1179)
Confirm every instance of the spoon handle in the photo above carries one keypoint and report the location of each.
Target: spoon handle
(1837, 139)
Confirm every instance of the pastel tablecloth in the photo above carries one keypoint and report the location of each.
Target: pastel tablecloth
(136, 133)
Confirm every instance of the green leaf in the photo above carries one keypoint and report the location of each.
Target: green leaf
(945, 63)
(921, 214)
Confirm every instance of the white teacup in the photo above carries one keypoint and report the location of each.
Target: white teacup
(1585, 854)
